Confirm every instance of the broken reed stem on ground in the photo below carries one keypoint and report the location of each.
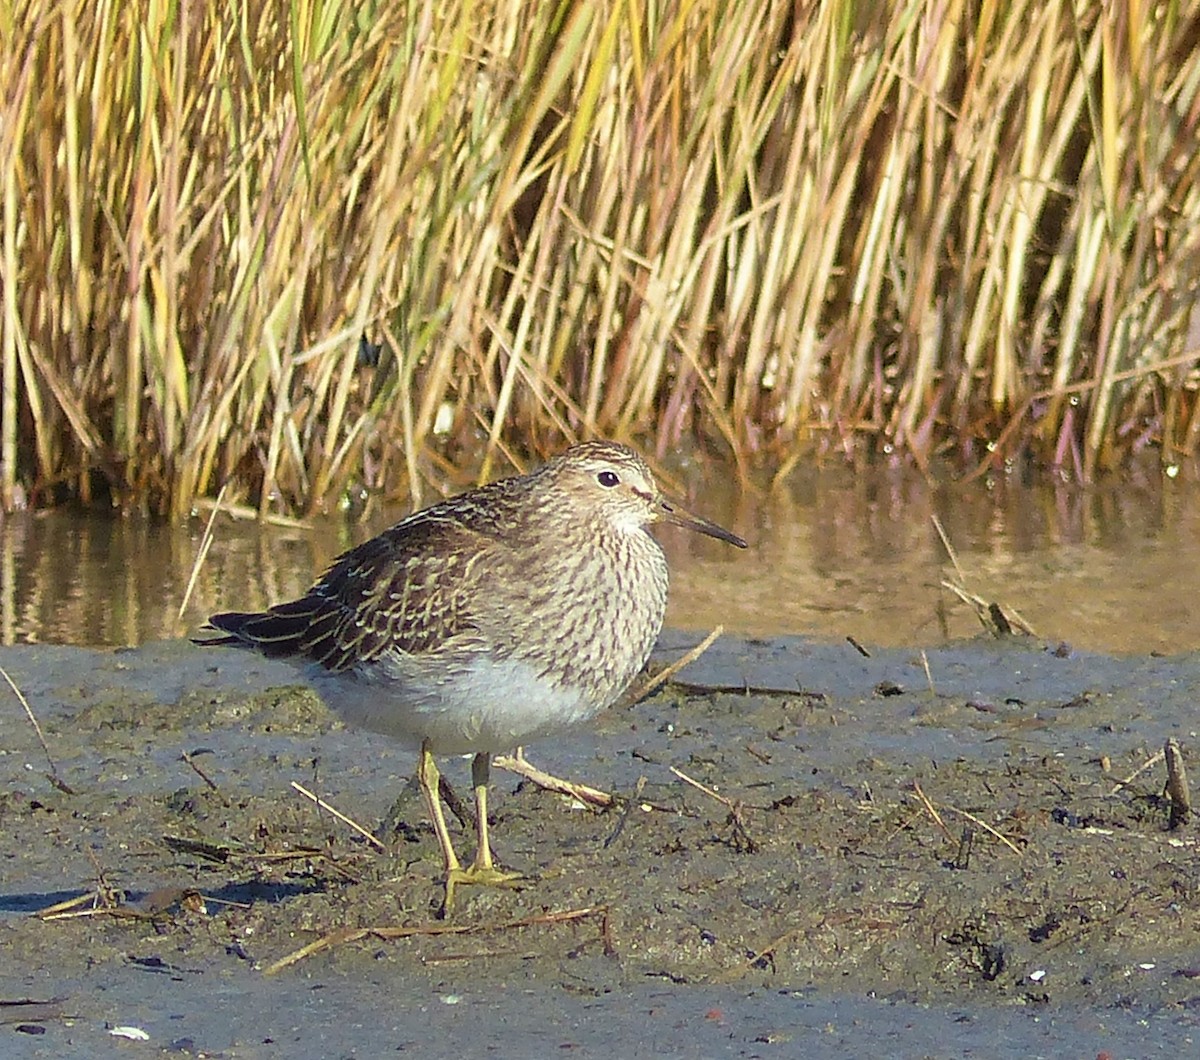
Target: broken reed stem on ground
(931, 809)
(517, 763)
(192, 764)
(987, 828)
(634, 800)
(55, 779)
(339, 815)
(1177, 784)
(667, 672)
(736, 820)
(928, 673)
(728, 804)
(1153, 760)
(345, 935)
(154, 906)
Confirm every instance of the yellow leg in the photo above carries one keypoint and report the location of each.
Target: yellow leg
(483, 871)
(427, 778)
(480, 770)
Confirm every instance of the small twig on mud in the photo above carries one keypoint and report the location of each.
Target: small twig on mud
(105, 892)
(1177, 784)
(119, 912)
(764, 957)
(987, 828)
(966, 843)
(904, 825)
(858, 647)
(932, 811)
(155, 906)
(282, 856)
(191, 762)
(1153, 760)
(69, 909)
(481, 955)
(103, 898)
(337, 938)
(702, 787)
(519, 764)
(206, 540)
(667, 672)
(218, 853)
(635, 800)
(928, 673)
(464, 813)
(222, 854)
(937, 818)
(998, 621)
(29, 1010)
(339, 815)
(740, 833)
(53, 775)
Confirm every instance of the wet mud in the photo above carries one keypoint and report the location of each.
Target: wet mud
(977, 829)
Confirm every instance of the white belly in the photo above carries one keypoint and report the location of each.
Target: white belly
(487, 706)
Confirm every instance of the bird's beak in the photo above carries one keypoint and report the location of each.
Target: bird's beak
(672, 512)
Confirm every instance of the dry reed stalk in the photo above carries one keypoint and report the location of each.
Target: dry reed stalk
(784, 228)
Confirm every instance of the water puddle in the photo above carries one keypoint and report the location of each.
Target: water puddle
(1108, 568)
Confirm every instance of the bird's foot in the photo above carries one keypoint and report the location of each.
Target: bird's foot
(477, 876)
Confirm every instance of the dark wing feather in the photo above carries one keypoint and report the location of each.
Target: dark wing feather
(407, 589)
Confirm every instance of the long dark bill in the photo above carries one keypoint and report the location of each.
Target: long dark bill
(675, 513)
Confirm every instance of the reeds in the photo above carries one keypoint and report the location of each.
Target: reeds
(841, 226)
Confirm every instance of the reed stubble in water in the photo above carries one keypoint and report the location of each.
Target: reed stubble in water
(488, 620)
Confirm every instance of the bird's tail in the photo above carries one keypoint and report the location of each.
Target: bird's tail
(284, 630)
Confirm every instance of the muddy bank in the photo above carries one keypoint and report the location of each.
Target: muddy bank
(873, 855)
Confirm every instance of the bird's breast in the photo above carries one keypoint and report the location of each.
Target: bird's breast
(592, 628)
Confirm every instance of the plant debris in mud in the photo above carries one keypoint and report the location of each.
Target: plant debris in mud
(744, 865)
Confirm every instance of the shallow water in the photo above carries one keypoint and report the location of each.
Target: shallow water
(1110, 567)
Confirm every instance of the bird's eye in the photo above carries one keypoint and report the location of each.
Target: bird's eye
(607, 478)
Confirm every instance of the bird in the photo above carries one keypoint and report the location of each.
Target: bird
(508, 613)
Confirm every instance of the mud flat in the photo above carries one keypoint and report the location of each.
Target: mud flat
(966, 854)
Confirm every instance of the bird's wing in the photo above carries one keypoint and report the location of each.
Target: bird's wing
(409, 589)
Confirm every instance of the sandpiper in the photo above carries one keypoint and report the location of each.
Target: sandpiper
(488, 620)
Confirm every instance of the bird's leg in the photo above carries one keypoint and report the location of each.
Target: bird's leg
(428, 777)
(483, 871)
(481, 769)
(483, 866)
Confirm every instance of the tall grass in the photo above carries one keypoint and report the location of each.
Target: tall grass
(776, 228)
